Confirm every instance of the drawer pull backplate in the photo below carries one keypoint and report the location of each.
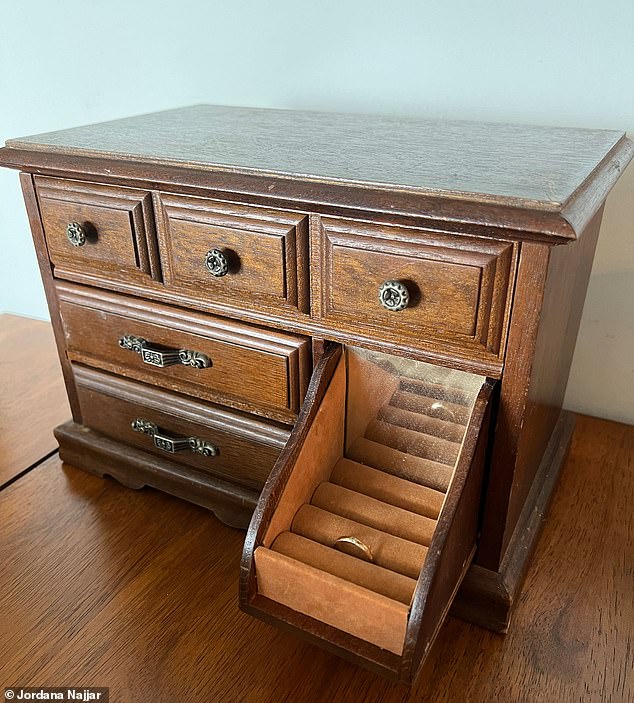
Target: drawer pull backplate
(172, 444)
(155, 355)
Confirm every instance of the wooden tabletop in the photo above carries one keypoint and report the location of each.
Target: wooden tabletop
(32, 395)
(101, 585)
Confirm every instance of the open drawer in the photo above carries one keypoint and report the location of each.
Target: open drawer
(368, 521)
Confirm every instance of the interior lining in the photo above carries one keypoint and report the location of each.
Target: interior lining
(391, 489)
(413, 442)
(331, 599)
(321, 450)
(381, 488)
(391, 552)
(406, 466)
(374, 513)
(376, 578)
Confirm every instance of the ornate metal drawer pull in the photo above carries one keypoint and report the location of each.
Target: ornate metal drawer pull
(217, 263)
(76, 234)
(156, 355)
(173, 444)
(393, 295)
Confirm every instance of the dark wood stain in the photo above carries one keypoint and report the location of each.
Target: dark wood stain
(542, 165)
(550, 293)
(260, 371)
(247, 448)
(546, 181)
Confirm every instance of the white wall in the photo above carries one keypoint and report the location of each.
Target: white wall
(570, 63)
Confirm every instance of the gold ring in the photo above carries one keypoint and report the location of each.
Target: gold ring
(354, 547)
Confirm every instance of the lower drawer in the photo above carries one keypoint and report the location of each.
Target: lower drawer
(368, 522)
(205, 438)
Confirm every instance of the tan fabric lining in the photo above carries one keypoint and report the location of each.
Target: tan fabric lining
(426, 406)
(327, 598)
(321, 450)
(388, 551)
(413, 442)
(444, 429)
(390, 489)
(369, 387)
(405, 466)
(387, 492)
(439, 391)
(374, 513)
(376, 578)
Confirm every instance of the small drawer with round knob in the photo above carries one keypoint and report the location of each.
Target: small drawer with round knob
(230, 256)
(97, 233)
(428, 290)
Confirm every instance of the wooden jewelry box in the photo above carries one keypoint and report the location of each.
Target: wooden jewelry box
(353, 333)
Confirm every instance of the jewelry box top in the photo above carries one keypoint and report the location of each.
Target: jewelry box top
(561, 173)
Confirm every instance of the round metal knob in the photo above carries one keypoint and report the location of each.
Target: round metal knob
(76, 234)
(393, 295)
(217, 263)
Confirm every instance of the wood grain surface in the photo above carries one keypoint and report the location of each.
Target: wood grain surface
(544, 164)
(246, 446)
(266, 251)
(545, 182)
(108, 593)
(548, 301)
(118, 224)
(253, 369)
(459, 288)
(32, 395)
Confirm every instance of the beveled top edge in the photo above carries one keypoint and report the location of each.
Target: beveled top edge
(532, 167)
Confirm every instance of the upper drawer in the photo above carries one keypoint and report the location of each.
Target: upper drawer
(412, 286)
(249, 368)
(235, 255)
(106, 232)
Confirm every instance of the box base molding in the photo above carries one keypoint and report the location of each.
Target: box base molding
(487, 598)
(134, 468)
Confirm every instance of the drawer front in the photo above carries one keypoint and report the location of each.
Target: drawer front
(233, 254)
(104, 231)
(215, 441)
(412, 286)
(248, 368)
